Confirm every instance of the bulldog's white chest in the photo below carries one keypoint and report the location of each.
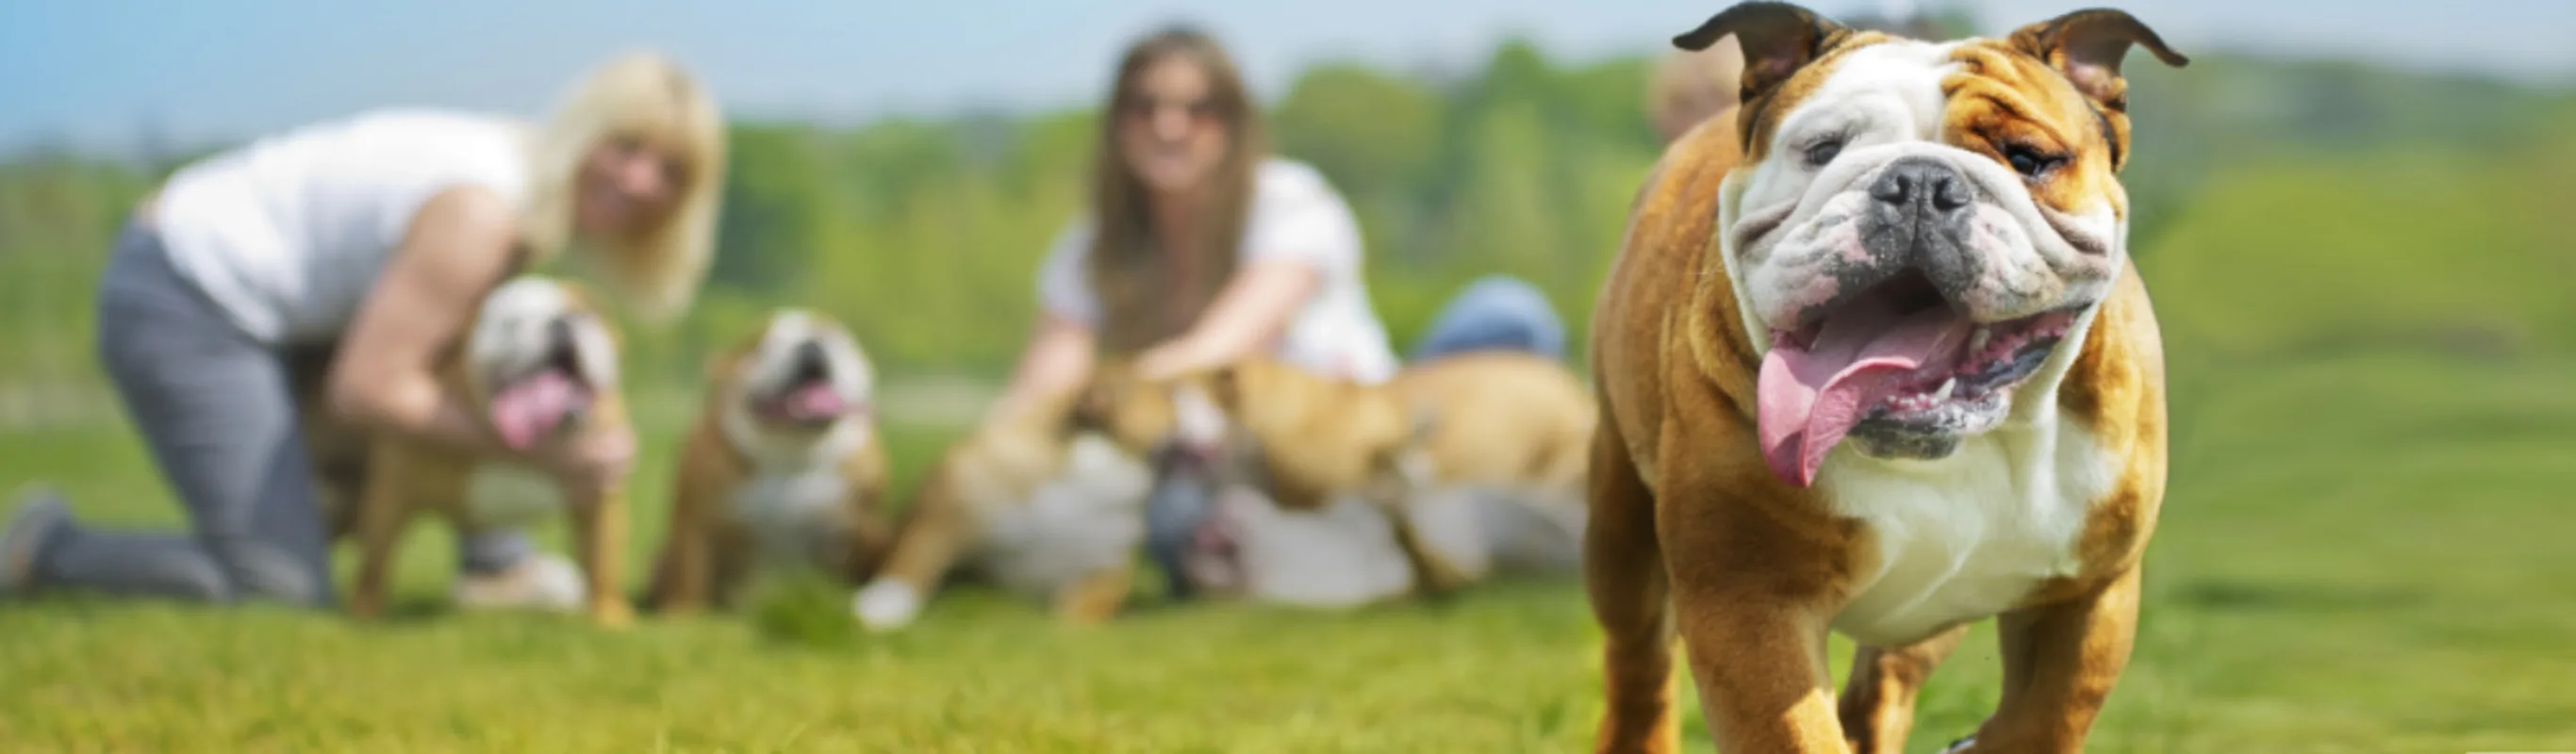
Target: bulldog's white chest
(788, 507)
(1089, 518)
(501, 494)
(1968, 536)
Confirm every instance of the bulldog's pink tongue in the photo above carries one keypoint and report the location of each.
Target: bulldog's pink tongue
(816, 401)
(1811, 396)
(527, 410)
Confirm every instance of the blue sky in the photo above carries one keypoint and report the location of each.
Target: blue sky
(96, 72)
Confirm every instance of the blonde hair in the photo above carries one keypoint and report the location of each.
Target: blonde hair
(1688, 87)
(1147, 296)
(643, 96)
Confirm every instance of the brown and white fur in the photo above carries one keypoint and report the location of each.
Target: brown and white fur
(2008, 464)
(528, 329)
(1028, 503)
(1451, 470)
(782, 470)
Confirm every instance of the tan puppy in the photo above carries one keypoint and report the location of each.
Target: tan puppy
(1873, 359)
(1513, 432)
(541, 362)
(1305, 440)
(1029, 503)
(783, 468)
(1503, 423)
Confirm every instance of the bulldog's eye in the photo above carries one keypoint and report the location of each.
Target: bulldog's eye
(2031, 163)
(1824, 151)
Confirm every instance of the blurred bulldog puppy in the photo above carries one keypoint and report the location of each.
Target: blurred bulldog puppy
(540, 361)
(1453, 470)
(783, 469)
(1029, 502)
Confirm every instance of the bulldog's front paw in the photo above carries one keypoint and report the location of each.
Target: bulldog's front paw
(886, 605)
(612, 614)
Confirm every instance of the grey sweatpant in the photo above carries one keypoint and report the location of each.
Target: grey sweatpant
(215, 409)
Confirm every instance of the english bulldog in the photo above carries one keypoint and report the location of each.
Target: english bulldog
(541, 363)
(1874, 359)
(1450, 471)
(782, 470)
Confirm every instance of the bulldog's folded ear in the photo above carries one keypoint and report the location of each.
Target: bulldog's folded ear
(1777, 39)
(715, 366)
(1426, 418)
(1225, 386)
(1091, 406)
(2087, 46)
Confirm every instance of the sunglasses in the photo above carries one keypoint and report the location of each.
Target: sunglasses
(1144, 107)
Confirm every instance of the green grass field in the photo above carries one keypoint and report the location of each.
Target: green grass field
(2326, 579)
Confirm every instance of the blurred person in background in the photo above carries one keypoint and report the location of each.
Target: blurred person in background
(370, 240)
(1687, 87)
(1201, 248)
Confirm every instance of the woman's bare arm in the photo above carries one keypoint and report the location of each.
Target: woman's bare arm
(460, 245)
(1247, 316)
(1056, 361)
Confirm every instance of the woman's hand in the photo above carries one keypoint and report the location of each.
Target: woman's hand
(1055, 362)
(591, 462)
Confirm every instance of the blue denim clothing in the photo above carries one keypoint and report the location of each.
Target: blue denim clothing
(214, 408)
(1497, 311)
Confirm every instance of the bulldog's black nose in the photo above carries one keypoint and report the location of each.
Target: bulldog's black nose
(811, 362)
(559, 332)
(1923, 187)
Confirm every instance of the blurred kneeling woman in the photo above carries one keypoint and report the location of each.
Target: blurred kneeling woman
(369, 240)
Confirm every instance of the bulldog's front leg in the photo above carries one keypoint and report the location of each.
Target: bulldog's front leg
(1753, 596)
(2060, 661)
(1760, 668)
(685, 579)
(935, 534)
(599, 542)
(1878, 700)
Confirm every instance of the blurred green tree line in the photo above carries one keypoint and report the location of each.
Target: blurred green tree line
(925, 233)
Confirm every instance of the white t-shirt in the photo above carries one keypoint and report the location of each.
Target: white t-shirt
(1296, 216)
(288, 234)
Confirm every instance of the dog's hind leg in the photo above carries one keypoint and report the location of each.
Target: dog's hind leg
(1399, 480)
(1095, 597)
(1623, 574)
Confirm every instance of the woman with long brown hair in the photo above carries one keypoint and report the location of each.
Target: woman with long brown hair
(1200, 248)
(372, 239)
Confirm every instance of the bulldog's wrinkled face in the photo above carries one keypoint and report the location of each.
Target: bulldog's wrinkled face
(1916, 233)
(537, 357)
(805, 373)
